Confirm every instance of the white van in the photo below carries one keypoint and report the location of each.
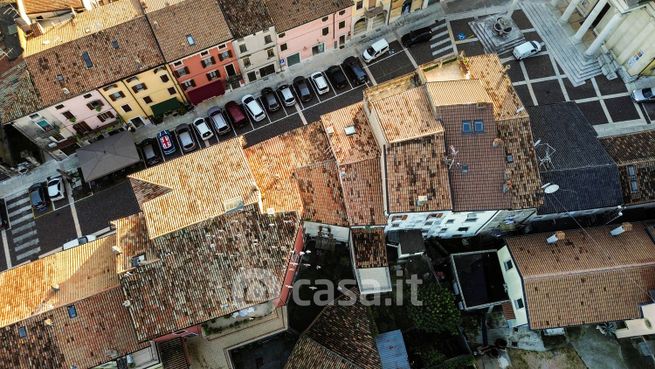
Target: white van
(374, 51)
(527, 49)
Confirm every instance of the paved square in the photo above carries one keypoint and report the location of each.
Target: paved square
(548, 92)
(594, 112)
(471, 48)
(607, 87)
(461, 26)
(534, 36)
(621, 108)
(581, 92)
(524, 94)
(521, 19)
(539, 67)
(514, 72)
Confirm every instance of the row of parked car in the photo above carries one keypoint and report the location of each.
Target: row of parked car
(41, 194)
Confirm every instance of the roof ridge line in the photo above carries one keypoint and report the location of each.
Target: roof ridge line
(590, 271)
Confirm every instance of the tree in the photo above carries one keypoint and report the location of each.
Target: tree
(438, 312)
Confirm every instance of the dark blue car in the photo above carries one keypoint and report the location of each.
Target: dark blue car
(166, 142)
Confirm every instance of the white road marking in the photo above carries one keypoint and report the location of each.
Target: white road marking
(5, 246)
(301, 115)
(527, 81)
(411, 58)
(71, 202)
(602, 102)
(370, 75)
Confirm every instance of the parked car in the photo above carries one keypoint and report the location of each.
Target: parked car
(254, 109)
(320, 83)
(302, 89)
(187, 140)
(527, 49)
(202, 128)
(38, 197)
(354, 71)
(236, 114)
(417, 36)
(79, 241)
(56, 188)
(166, 142)
(377, 49)
(150, 151)
(286, 95)
(336, 76)
(644, 95)
(217, 119)
(270, 100)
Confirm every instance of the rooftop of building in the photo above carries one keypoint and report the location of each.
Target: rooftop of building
(290, 14)
(321, 193)
(572, 157)
(182, 28)
(479, 278)
(362, 191)
(370, 247)
(132, 240)
(194, 187)
(57, 280)
(246, 17)
(341, 337)
(575, 280)
(274, 161)
(18, 96)
(350, 134)
(210, 269)
(47, 6)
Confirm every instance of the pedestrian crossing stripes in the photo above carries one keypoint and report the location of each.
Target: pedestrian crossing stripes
(22, 228)
(441, 42)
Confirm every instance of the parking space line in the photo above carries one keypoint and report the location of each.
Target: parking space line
(5, 247)
(71, 202)
(559, 77)
(370, 75)
(528, 83)
(602, 103)
(301, 115)
(347, 79)
(410, 57)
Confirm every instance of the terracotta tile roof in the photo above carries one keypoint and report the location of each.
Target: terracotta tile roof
(79, 272)
(340, 337)
(55, 59)
(246, 17)
(321, 193)
(443, 93)
(274, 161)
(290, 14)
(102, 330)
(205, 270)
(47, 6)
(18, 96)
(173, 24)
(585, 278)
(193, 198)
(370, 247)
(350, 148)
(132, 239)
(406, 115)
(635, 155)
(392, 87)
(362, 191)
(417, 168)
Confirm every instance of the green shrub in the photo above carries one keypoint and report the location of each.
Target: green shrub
(438, 312)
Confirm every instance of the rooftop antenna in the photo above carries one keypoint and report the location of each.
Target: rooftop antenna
(450, 157)
(544, 154)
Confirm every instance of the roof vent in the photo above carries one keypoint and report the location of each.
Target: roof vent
(625, 227)
(559, 235)
(329, 130)
(116, 250)
(66, 91)
(48, 322)
(127, 303)
(497, 142)
(350, 130)
(55, 287)
(45, 42)
(422, 200)
(270, 211)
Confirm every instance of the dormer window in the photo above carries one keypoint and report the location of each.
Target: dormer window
(22, 332)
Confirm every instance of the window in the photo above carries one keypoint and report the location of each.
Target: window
(177, 63)
(225, 55)
(318, 49)
(208, 61)
(117, 95)
(450, 221)
(58, 107)
(243, 48)
(281, 35)
(164, 78)
(632, 175)
(632, 171)
(60, 77)
(326, 31)
(270, 53)
(478, 125)
(293, 59)
(190, 40)
(342, 12)
(342, 24)
(188, 84)
(396, 218)
(72, 311)
(471, 217)
(509, 158)
(87, 96)
(519, 303)
(131, 79)
(508, 264)
(283, 47)
(147, 100)
(107, 88)
(252, 76)
(268, 39)
(87, 60)
(325, 19)
(172, 91)
(464, 168)
(22, 332)
(139, 87)
(204, 53)
(44, 125)
(126, 108)
(181, 72)
(246, 62)
(105, 116)
(466, 126)
(68, 115)
(463, 229)
(221, 46)
(435, 216)
(443, 230)
(82, 128)
(634, 186)
(213, 75)
(359, 5)
(95, 105)
(114, 44)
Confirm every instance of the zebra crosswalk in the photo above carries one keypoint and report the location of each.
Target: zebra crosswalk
(22, 228)
(441, 43)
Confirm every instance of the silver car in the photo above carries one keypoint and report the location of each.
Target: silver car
(643, 95)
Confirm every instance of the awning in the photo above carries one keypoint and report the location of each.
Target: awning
(203, 93)
(164, 107)
(107, 156)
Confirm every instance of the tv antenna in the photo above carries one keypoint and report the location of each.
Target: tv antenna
(544, 154)
(450, 157)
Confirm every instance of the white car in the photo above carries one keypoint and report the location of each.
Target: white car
(527, 49)
(286, 95)
(374, 51)
(320, 83)
(79, 241)
(201, 126)
(254, 109)
(56, 189)
(644, 95)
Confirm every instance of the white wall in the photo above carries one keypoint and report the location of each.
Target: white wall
(639, 327)
(257, 52)
(340, 234)
(514, 286)
(442, 224)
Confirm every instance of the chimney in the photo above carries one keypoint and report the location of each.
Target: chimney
(55, 287)
(48, 322)
(559, 235)
(127, 303)
(625, 227)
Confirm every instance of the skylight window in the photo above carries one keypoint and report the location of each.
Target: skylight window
(115, 44)
(87, 60)
(466, 126)
(22, 332)
(72, 311)
(479, 126)
(190, 40)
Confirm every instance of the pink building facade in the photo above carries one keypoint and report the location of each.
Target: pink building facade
(314, 38)
(84, 114)
(206, 74)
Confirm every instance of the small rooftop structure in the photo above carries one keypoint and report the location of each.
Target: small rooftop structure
(369, 256)
(391, 347)
(409, 242)
(479, 279)
(107, 156)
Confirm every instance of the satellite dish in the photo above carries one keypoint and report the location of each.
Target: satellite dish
(550, 188)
